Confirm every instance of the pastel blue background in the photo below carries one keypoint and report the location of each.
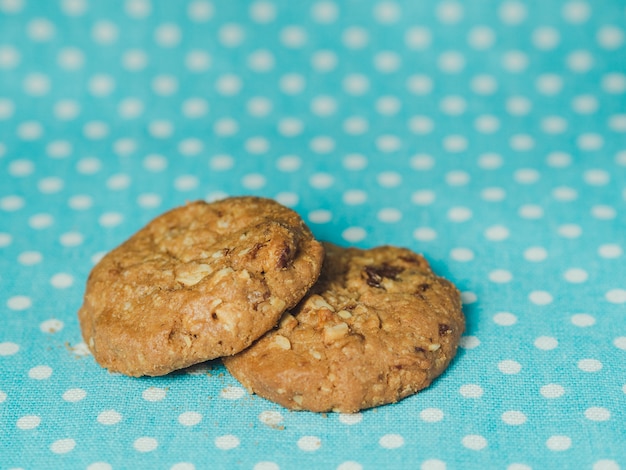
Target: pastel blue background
(488, 135)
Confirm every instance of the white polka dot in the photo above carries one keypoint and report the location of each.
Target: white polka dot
(389, 179)
(62, 280)
(391, 441)
(590, 141)
(19, 302)
(423, 197)
(387, 12)
(431, 415)
(606, 464)
(149, 200)
(293, 36)
(74, 395)
(514, 418)
(552, 391)
(481, 37)
(201, 11)
(610, 37)
(564, 193)
(155, 162)
(471, 391)
(231, 35)
(616, 296)
(493, 194)
(487, 124)
(589, 365)
(421, 125)
(9, 57)
(388, 105)
(597, 413)
(265, 465)
(530, 211)
(271, 418)
(164, 85)
(610, 251)
(388, 143)
(484, 84)
(20, 168)
(8, 349)
(71, 58)
(40, 372)
(30, 130)
(190, 147)
(585, 104)
(553, 125)
(549, 84)
(546, 343)
(509, 367)
(350, 418)
(449, 11)
(603, 212)
(518, 105)
(40, 29)
(226, 442)
(29, 258)
(63, 446)
(354, 234)
(321, 180)
(583, 320)
(7, 107)
(289, 163)
(232, 393)
(559, 443)
(451, 62)
(474, 442)
(433, 464)
(422, 162)
(80, 202)
(355, 37)
(290, 127)
(95, 130)
(153, 394)
(389, 215)
(526, 176)
(228, 84)
(468, 298)
(324, 12)
(109, 417)
(261, 61)
(168, 35)
(569, 230)
(38, 222)
(354, 162)
(535, 254)
(50, 185)
(138, 8)
(186, 182)
(354, 197)
(500, 276)
(197, 61)
(497, 233)
(320, 216)
(579, 61)
(540, 297)
(28, 422)
(512, 12)
(99, 466)
(417, 38)
(387, 61)
(287, 198)
(455, 143)
(522, 142)
(453, 105)
(324, 61)
(505, 319)
(462, 254)
(355, 84)
(145, 444)
(576, 275)
(469, 342)
(459, 214)
(515, 61)
(419, 84)
(355, 125)
(101, 85)
(576, 11)
(51, 326)
(189, 418)
(617, 123)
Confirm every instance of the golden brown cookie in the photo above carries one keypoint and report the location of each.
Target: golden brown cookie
(376, 327)
(198, 282)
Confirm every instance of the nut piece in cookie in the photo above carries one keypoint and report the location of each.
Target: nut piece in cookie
(376, 327)
(198, 282)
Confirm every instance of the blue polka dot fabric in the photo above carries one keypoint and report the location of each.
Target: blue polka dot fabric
(490, 136)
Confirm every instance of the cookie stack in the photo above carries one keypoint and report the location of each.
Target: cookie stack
(305, 324)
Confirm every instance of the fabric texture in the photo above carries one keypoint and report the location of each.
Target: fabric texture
(488, 135)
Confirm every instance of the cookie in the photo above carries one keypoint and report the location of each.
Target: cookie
(198, 282)
(376, 327)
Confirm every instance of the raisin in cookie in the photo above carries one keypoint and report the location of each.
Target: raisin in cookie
(376, 327)
(198, 282)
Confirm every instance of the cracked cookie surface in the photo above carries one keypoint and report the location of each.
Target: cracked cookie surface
(378, 326)
(198, 282)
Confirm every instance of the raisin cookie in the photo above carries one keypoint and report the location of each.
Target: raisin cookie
(198, 282)
(376, 327)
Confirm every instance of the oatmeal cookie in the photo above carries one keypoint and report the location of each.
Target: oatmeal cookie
(376, 327)
(198, 282)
